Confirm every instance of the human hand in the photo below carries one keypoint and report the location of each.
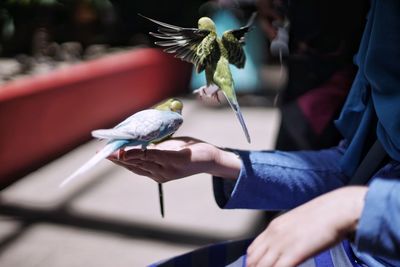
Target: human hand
(301, 233)
(178, 157)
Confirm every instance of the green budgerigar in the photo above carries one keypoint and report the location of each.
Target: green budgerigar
(202, 47)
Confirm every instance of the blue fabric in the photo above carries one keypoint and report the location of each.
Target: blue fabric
(324, 259)
(267, 176)
(378, 232)
(282, 180)
(375, 91)
(217, 255)
(279, 180)
(350, 254)
(230, 253)
(182, 262)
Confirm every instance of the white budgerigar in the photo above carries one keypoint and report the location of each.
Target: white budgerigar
(142, 128)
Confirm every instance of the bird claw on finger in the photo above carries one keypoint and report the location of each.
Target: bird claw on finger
(120, 154)
(208, 91)
(200, 92)
(215, 95)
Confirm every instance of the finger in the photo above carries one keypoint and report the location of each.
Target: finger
(255, 257)
(150, 166)
(116, 161)
(257, 249)
(258, 240)
(150, 170)
(136, 154)
(140, 171)
(114, 155)
(137, 157)
(120, 154)
(144, 172)
(269, 259)
(130, 165)
(154, 155)
(117, 154)
(135, 168)
(144, 164)
(284, 261)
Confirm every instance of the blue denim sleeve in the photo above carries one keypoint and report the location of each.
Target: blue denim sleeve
(378, 229)
(276, 180)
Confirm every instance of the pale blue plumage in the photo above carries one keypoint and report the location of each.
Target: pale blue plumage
(140, 129)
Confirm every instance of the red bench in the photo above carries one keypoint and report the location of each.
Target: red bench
(42, 117)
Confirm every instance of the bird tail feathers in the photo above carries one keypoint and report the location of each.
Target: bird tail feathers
(235, 106)
(102, 154)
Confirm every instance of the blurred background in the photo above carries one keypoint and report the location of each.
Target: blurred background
(68, 67)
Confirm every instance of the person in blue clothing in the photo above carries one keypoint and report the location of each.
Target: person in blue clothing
(329, 222)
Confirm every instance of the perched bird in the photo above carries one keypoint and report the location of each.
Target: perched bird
(202, 47)
(142, 128)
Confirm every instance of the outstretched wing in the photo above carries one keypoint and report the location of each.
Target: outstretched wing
(189, 44)
(234, 40)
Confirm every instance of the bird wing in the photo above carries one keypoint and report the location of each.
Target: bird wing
(143, 127)
(189, 44)
(234, 40)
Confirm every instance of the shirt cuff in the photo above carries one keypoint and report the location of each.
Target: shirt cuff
(377, 232)
(276, 180)
(222, 190)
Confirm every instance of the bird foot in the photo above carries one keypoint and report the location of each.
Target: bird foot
(120, 154)
(144, 150)
(210, 91)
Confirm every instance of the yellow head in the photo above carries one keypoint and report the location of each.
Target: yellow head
(171, 104)
(205, 23)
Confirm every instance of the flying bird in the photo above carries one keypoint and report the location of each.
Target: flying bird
(142, 128)
(202, 47)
